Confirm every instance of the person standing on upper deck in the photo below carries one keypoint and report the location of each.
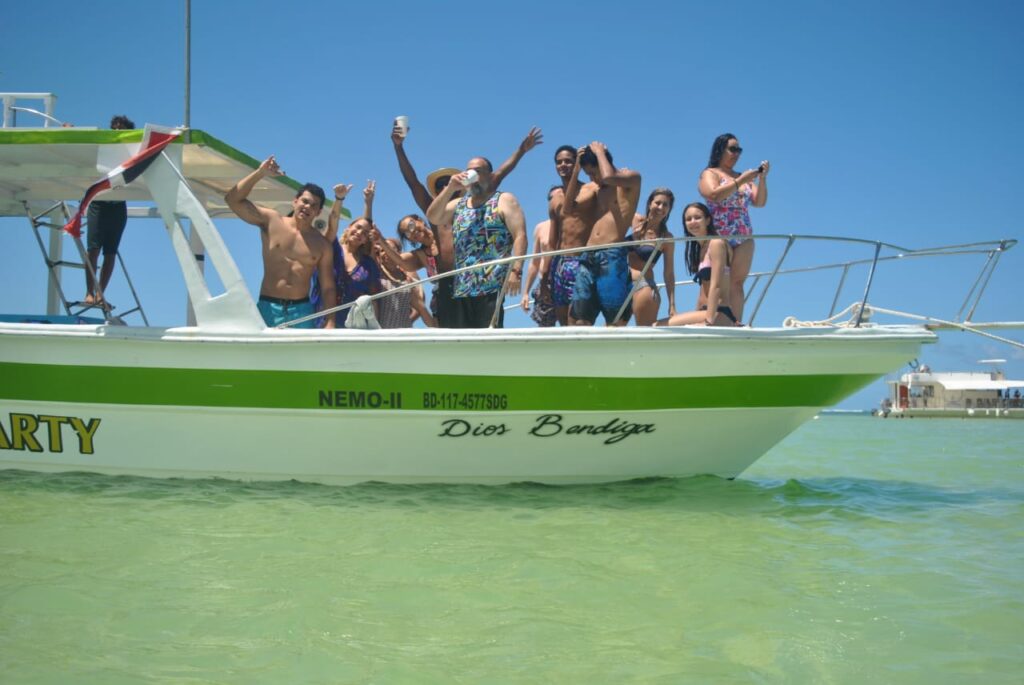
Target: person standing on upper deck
(292, 249)
(106, 220)
(729, 195)
(610, 199)
(486, 224)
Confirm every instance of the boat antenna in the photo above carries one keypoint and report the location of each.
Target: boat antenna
(188, 71)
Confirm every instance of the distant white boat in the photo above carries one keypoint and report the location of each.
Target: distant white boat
(926, 394)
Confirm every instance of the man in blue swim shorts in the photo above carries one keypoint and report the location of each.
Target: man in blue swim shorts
(277, 310)
(293, 249)
(602, 285)
(608, 204)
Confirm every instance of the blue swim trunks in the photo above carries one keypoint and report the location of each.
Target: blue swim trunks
(565, 269)
(276, 311)
(602, 285)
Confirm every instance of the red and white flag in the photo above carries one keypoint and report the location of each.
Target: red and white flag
(154, 140)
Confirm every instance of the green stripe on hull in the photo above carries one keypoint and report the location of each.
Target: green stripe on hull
(407, 391)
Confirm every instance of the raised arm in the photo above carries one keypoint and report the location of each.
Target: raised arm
(238, 197)
(572, 190)
(760, 196)
(325, 276)
(419, 191)
(711, 188)
(515, 221)
(611, 175)
(368, 193)
(442, 209)
(534, 138)
(340, 192)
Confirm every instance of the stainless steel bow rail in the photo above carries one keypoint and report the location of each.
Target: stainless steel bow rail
(992, 250)
(761, 281)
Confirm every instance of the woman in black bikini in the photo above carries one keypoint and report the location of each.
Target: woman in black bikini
(708, 261)
(654, 224)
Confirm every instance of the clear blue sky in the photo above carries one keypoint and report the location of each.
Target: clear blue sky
(890, 121)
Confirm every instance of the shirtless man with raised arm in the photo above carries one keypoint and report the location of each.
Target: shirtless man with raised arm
(443, 233)
(292, 249)
(603, 283)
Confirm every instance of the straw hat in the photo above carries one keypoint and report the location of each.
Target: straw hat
(440, 173)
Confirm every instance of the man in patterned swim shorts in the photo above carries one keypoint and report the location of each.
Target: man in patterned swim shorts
(571, 229)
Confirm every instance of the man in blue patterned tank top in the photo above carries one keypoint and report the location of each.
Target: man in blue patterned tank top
(486, 225)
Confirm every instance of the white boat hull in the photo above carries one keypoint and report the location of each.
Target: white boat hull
(554, 406)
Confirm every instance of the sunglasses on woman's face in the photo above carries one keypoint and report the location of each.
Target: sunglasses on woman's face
(735, 149)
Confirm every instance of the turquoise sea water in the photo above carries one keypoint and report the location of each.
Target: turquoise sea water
(858, 550)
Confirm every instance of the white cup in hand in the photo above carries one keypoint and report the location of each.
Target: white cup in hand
(402, 122)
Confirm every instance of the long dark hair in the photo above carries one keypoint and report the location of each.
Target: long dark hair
(718, 149)
(693, 246)
(663, 226)
(405, 240)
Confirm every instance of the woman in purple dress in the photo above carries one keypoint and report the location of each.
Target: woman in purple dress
(355, 270)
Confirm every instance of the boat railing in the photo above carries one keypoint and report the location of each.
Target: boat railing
(11, 108)
(880, 252)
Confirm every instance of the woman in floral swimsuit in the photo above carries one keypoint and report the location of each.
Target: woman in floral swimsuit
(729, 195)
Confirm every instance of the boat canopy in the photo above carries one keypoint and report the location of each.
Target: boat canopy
(48, 165)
